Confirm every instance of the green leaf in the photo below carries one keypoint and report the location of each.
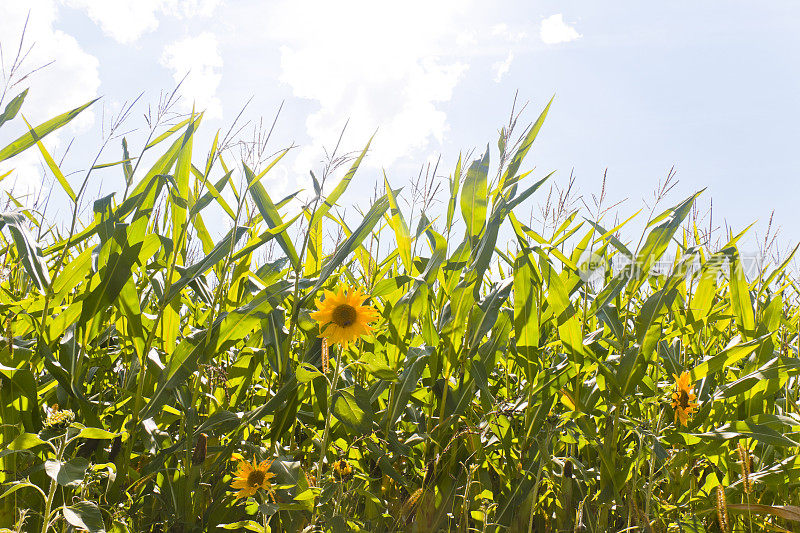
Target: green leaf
(744, 428)
(69, 473)
(399, 226)
(353, 241)
(127, 168)
(474, 196)
(415, 363)
(214, 193)
(734, 352)
(569, 328)
(201, 345)
(352, 408)
(787, 512)
(331, 199)
(171, 131)
(250, 525)
(269, 211)
(489, 310)
(659, 237)
(167, 159)
(21, 393)
(525, 146)
(179, 199)
(376, 365)
(85, 515)
(39, 132)
(771, 374)
(17, 485)
(306, 372)
(24, 441)
(12, 108)
(610, 235)
(690, 524)
(739, 294)
(526, 306)
(220, 251)
(149, 188)
(124, 254)
(97, 433)
(54, 169)
(455, 183)
(264, 237)
(30, 254)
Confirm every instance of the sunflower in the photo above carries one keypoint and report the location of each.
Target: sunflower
(342, 317)
(250, 478)
(342, 469)
(59, 418)
(683, 399)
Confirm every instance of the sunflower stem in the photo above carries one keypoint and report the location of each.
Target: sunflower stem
(326, 432)
(48, 504)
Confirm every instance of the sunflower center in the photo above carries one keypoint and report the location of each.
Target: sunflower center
(344, 315)
(683, 399)
(255, 478)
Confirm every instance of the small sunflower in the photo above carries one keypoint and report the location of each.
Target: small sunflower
(311, 479)
(342, 469)
(683, 399)
(59, 418)
(342, 316)
(250, 478)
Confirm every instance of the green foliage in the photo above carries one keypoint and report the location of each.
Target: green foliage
(507, 386)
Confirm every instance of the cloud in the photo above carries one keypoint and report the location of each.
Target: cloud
(554, 30)
(70, 81)
(376, 64)
(501, 68)
(502, 30)
(199, 57)
(127, 20)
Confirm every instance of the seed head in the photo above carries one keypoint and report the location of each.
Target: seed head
(722, 509)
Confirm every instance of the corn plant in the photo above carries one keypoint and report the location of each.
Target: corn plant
(425, 369)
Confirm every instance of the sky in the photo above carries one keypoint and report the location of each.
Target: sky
(709, 88)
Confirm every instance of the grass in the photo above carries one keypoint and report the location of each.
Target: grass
(514, 379)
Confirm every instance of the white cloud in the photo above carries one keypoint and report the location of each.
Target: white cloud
(123, 20)
(466, 38)
(70, 81)
(554, 30)
(502, 30)
(190, 8)
(378, 64)
(501, 68)
(199, 57)
(127, 20)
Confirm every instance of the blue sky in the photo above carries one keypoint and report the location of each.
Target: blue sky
(709, 87)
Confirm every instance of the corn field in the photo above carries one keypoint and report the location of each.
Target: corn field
(446, 366)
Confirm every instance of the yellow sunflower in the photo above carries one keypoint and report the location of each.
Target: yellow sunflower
(250, 478)
(342, 317)
(342, 469)
(683, 399)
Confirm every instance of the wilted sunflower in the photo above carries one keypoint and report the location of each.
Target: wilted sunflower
(342, 469)
(342, 317)
(59, 418)
(683, 399)
(250, 478)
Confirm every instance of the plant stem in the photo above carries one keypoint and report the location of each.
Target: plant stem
(326, 432)
(52, 492)
(650, 473)
(542, 450)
